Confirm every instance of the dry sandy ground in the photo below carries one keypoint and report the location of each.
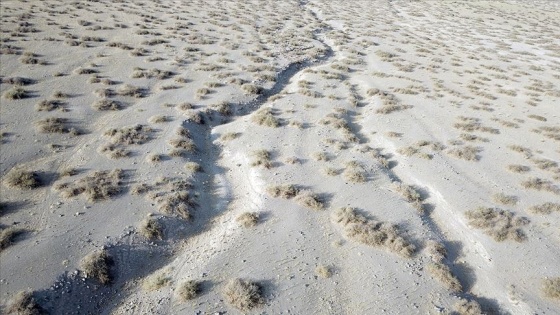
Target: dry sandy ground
(340, 157)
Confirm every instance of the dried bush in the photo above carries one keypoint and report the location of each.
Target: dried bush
(8, 235)
(551, 288)
(157, 280)
(261, 158)
(465, 307)
(442, 273)
(188, 290)
(373, 233)
(504, 199)
(151, 229)
(545, 208)
(283, 191)
(107, 104)
(97, 265)
(136, 134)
(22, 179)
(265, 117)
(497, 223)
(323, 271)
(309, 199)
(95, 186)
(23, 303)
(243, 294)
(248, 219)
(468, 153)
(54, 125)
(540, 185)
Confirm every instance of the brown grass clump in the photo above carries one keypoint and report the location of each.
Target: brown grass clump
(22, 179)
(157, 280)
(107, 104)
(265, 117)
(465, 307)
(173, 197)
(187, 290)
(499, 224)
(15, 93)
(23, 303)
(97, 265)
(310, 200)
(151, 229)
(323, 271)
(551, 288)
(372, 232)
(545, 208)
(114, 151)
(468, 153)
(283, 191)
(248, 219)
(261, 158)
(504, 199)
(355, 174)
(516, 168)
(8, 235)
(136, 134)
(230, 136)
(540, 185)
(442, 273)
(410, 194)
(49, 105)
(96, 186)
(243, 294)
(53, 125)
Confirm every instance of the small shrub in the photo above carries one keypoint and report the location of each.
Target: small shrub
(136, 134)
(96, 186)
(551, 288)
(151, 229)
(243, 294)
(442, 273)
(187, 290)
(53, 125)
(251, 89)
(49, 105)
(265, 117)
(97, 265)
(465, 307)
(323, 271)
(22, 179)
(7, 236)
(505, 199)
(261, 158)
(373, 233)
(186, 144)
(248, 219)
(23, 303)
(157, 280)
(15, 93)
(468, 153)
(230, 136)
(545, 208)
(499, 224)
(540, 185)
(107, 104)
(158, 119)
(310, 200)
(516, 168)
(283, 191)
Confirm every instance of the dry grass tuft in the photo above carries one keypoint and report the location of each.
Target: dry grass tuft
(230, 136)
(465, 307)
(516, 168)
(468, 153)
(310, 200)
(248, 219)
(323, 271)
(151, 229)
(187, 290)
(283, 191)
(442, 273)
(497, 223)
(97, 265)
(96, 186)
(265, 117)
(107, 104)
(261, 158)
(243, 294)
(504, 199)
(157, 280)
(551, 288)
(54, 125)
(15, 93)
(545, 208)
(8, 235)
(373, 233)
(410, 194)
(23, 303)
(136, 134)
(540, 185)
(22, 179)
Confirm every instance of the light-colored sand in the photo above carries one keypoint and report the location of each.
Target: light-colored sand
(352, 103)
